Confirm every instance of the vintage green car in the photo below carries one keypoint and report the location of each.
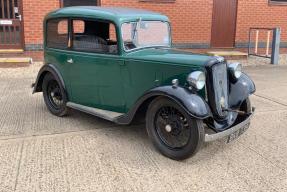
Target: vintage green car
(118, 64)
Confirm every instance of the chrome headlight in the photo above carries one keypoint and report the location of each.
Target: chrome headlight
(235, 70)
(196, 79)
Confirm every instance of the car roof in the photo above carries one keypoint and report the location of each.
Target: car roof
(117, 15)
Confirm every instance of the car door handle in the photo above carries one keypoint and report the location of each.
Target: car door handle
(70, 61)
(122, 63)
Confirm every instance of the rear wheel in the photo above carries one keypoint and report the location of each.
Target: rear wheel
(173, 132)
(54, 95)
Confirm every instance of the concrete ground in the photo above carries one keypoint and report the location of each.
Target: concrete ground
(41, 152)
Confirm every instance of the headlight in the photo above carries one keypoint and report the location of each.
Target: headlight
(235, 69)
(196, 79)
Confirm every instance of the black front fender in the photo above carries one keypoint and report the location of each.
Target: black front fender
(240, 91)
(48, 68)
(194, 105)
(191, 102)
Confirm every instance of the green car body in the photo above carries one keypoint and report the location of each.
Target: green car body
(129, 80)
(116, 82)
(97, 78)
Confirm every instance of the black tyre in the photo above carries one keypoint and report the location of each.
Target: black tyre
(173, 132)
(246, 107)
(54, 95)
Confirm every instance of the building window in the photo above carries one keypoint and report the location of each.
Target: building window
(278, 2)
(69, 3)
(57, 33)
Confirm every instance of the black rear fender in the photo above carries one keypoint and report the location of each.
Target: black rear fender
(49, 68)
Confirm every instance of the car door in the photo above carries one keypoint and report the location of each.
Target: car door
(95, 66)
(57, 48)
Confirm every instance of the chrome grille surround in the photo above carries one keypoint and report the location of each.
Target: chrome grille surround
(219, 75)
(217, 89)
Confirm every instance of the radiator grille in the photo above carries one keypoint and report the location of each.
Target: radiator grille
(219, 76)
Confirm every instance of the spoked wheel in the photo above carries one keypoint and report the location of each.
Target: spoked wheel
(172, 127)
(54, 96)
(174, 133)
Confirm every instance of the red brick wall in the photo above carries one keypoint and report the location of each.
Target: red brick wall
(34, 12)
(190, 19)
(258, 13)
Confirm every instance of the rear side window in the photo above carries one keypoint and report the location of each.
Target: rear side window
(57, 34)
(94, 36)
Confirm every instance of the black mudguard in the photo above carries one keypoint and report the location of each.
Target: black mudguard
(240, 91)
(194, 105)
(43, 71)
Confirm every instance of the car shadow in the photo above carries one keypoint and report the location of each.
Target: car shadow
(138, 131)
(85, 118)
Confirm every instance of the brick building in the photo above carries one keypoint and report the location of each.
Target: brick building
(195, 23)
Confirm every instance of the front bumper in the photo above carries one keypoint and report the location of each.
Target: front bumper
(231, 130)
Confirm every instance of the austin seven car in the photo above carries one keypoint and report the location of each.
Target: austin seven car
(119, 64)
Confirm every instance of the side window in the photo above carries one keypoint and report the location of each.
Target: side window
(57, 34)
(79, 26)
(94, 36)
(113, 33)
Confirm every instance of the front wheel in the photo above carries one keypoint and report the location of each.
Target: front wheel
(172, 130)
(247, 108)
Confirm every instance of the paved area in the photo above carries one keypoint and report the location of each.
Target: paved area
(259, 61)
(41, 152)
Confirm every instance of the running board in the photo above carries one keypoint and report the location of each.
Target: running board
(108, 115)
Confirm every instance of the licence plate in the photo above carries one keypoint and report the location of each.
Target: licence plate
(237, 134)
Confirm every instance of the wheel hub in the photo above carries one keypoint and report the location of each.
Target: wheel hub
(54, 94)
(168, 128)
(172, 127)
